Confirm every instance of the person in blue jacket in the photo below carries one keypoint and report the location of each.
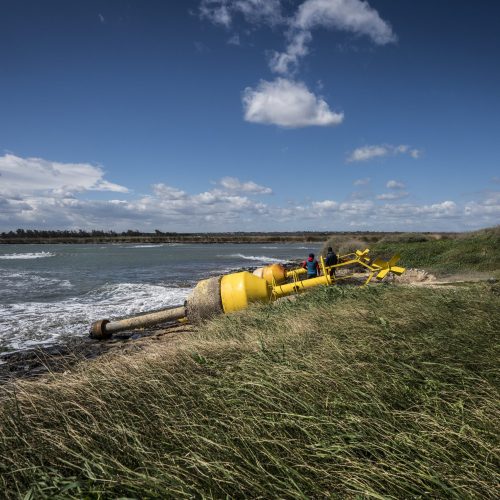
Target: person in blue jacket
(312, 266)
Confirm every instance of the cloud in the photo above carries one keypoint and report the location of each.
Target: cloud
(234, 40)
(393, 196)
(38, 193)
(365, 153)
(444, 209)
(488, 207)
(282, 62)
(324, 206)
(101, 18)
(354, 16)
(222, 12)
(362, 182)
(45, 194)
(201, 48)
(216, 11)
(235, 185)
(31, 175)
(287, 103)
(167, 192)
(395, 185)
(397, 192)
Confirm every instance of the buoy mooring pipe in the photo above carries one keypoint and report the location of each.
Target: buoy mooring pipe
(103, 328)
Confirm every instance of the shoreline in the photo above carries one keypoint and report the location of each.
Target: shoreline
(100, 237)
(64, 355)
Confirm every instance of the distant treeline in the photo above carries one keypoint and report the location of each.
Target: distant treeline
(131, 236)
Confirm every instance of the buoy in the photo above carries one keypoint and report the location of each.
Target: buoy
(234, 292)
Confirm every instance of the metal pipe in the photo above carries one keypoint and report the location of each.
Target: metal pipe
(105, 328)
(297, 286)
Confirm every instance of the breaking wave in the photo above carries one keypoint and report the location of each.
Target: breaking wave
(36, 255)
(146, 246)
(32, 323)
(261, 258)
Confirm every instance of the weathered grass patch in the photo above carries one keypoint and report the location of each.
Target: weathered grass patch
(389, 391)
(441, 253)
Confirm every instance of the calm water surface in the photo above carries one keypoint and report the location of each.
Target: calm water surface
(51, 291)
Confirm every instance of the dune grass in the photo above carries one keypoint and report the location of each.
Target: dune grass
(440, 253)
(478, 251)
(346, 392)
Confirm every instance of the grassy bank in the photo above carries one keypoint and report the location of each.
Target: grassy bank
(440, 253)
(387, 391)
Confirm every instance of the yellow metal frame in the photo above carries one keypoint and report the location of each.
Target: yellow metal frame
(238, 290)
(378, 268)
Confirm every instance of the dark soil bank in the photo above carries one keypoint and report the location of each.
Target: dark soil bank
(38, 361)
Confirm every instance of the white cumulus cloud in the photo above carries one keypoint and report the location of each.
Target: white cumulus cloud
(324, 206)
(283, 62)
(488, 207)
(254, 11)
(31, 175)
(287, 103)
(392, 184)
(167, 192)
(354, 16)
(369, 152)
(235, 185)
(37, 193)
(362, 182)
(392, 196)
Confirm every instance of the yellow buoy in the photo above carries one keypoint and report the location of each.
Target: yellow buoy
(239, 289)
(275, 272)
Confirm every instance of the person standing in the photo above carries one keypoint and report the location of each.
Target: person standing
(311, 266)
(330, 260)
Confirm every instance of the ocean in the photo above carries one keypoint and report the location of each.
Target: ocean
(51, 292)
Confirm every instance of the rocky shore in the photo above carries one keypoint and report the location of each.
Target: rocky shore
(64, 356)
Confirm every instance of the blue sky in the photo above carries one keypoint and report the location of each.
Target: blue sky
(248, 115)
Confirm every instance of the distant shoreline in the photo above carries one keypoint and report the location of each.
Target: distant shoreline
(99, 237)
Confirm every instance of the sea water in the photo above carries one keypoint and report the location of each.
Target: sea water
(49, 292)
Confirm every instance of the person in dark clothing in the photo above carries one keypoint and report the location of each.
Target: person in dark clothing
(312, 266)
(330, 260)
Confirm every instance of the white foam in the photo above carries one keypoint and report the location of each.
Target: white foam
(32, 323)
(145, 246)
(23, 279)
(261, 258)
(36, 255)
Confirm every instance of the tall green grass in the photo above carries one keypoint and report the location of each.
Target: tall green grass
(376, 392)
(445, 253)
(479, 251)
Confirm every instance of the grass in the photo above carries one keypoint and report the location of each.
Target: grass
(346, 392)
(440, 253)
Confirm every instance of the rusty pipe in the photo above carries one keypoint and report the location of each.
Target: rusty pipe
(104, 328)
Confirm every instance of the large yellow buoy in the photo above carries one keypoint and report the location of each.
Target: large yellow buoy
(234, 292)
(240, 289)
